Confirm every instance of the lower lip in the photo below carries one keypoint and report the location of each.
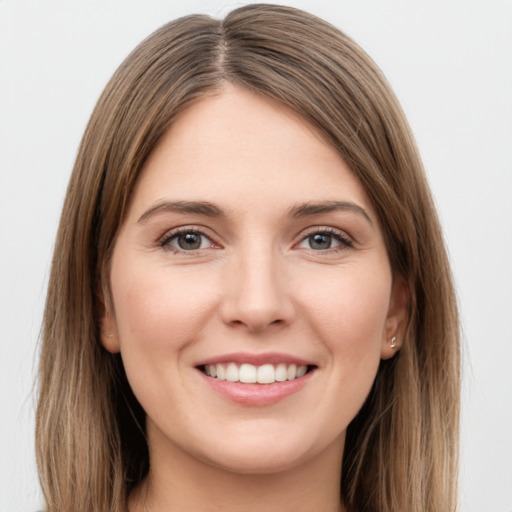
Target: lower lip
(256, 394)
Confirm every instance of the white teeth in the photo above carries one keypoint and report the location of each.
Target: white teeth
(221, 373)
(301, 371)
(281, 373)
(266, 374)
(248, 373)
(232, 373)
(251, 374)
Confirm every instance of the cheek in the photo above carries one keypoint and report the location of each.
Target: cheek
(158, 312)
(159, 309)
(349, 304)
(344, 310)
(347, 310)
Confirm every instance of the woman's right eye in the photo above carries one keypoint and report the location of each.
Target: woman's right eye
(187, 241)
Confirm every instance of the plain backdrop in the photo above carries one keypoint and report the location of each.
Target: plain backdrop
(450, 63)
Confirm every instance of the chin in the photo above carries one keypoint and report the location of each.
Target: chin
(269, 453)
(257, 461)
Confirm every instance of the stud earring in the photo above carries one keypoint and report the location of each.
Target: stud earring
(393, 342)
(110, 335)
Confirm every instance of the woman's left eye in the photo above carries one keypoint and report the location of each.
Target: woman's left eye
(325, 240)
(189, 240)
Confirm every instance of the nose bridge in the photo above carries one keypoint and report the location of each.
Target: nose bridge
(258, 296)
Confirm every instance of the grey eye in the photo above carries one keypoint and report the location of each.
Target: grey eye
(320, 241)
(189, 241)
(325, 241)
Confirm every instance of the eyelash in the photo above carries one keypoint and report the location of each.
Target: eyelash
(344, 241)
(165, 241)
(339, 236)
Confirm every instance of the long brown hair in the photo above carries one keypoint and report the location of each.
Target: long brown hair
(401, 449)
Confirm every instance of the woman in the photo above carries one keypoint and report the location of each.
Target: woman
(250, 303)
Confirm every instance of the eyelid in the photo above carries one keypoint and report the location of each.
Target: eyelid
(163, 241)
(346, 241)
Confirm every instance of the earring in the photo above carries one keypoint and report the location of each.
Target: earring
(110, 335)
(393, 342)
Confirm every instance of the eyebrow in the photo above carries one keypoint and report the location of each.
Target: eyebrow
(297, 211)
(195, 207)
(317, 208)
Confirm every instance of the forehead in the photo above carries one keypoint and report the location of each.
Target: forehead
(236, 145)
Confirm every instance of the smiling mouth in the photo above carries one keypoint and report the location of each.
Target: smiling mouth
(252, 374)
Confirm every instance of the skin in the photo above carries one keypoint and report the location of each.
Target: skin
(256, 284)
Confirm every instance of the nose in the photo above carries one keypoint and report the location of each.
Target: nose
(257, 293)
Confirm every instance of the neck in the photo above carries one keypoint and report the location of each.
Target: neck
(180, 482)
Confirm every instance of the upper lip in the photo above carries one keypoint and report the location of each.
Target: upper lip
(255, 359)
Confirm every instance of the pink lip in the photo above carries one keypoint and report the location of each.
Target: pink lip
(256, 394)
(255, 359)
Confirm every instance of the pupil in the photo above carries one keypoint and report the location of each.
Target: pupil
(189, 241)
(319, 241)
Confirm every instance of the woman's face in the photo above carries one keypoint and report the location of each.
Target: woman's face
(250, 252)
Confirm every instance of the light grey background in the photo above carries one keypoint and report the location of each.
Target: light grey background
(450, 62)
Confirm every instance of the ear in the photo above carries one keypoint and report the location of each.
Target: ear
(108, 325)
(396, 321)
